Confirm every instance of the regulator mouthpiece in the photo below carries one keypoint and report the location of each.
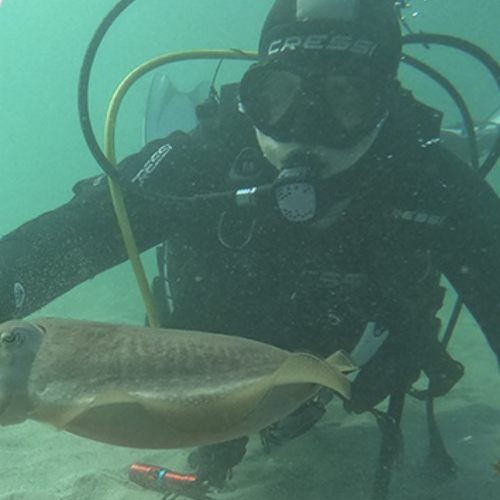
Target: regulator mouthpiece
(295, 194)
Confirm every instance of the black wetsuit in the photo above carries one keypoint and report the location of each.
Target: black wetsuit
(408, 211)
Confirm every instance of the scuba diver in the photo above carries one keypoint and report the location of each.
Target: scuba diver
(361, 212)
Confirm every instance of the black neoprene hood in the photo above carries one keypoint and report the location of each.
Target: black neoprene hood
(305, 31)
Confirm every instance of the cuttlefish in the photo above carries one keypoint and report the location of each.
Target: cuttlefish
(150, 387)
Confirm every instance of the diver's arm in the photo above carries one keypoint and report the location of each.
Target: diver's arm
(470, 248)
(51, 254)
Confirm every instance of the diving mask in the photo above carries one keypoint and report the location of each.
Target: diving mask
(332, 109)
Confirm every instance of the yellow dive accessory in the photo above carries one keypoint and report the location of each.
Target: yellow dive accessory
(110, 152)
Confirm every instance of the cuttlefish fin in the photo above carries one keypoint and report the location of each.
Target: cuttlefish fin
(209, 413)
(301, 368)
(342, 361)
(61, 418)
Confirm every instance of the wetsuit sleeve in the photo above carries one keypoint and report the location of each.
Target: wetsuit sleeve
(470, 245)
(51, 254)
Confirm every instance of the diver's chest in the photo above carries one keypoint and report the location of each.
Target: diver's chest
(293, 259)
(332, 265)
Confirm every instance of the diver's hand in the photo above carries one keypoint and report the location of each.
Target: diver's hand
(214, 463)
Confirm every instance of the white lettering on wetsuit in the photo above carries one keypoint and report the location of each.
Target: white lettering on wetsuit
(339, 43)
(420, 217)
(152, 164)
(331, 279)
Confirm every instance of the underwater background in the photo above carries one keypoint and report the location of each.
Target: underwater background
(43, 154)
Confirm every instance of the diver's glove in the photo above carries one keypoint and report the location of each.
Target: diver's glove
(214, 463)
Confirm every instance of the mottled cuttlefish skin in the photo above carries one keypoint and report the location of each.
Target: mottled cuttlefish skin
(153, 388)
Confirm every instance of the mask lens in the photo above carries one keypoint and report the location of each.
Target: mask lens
(267, 94)
(352, 101)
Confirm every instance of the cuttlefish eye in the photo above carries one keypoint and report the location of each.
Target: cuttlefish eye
(10, 336)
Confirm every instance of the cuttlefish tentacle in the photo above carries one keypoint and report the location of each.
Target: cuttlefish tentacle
(154, 388)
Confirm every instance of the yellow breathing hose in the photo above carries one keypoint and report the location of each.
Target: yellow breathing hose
(109, 147)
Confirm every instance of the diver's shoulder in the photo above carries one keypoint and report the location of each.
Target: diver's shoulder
(411, 125)
(219, 116)
(224, 134)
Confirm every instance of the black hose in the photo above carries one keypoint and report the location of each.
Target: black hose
(457, 98)
(481, 55)
(83, 91)
(224, 199)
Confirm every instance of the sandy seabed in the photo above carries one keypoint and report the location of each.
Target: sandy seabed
(333, 461)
